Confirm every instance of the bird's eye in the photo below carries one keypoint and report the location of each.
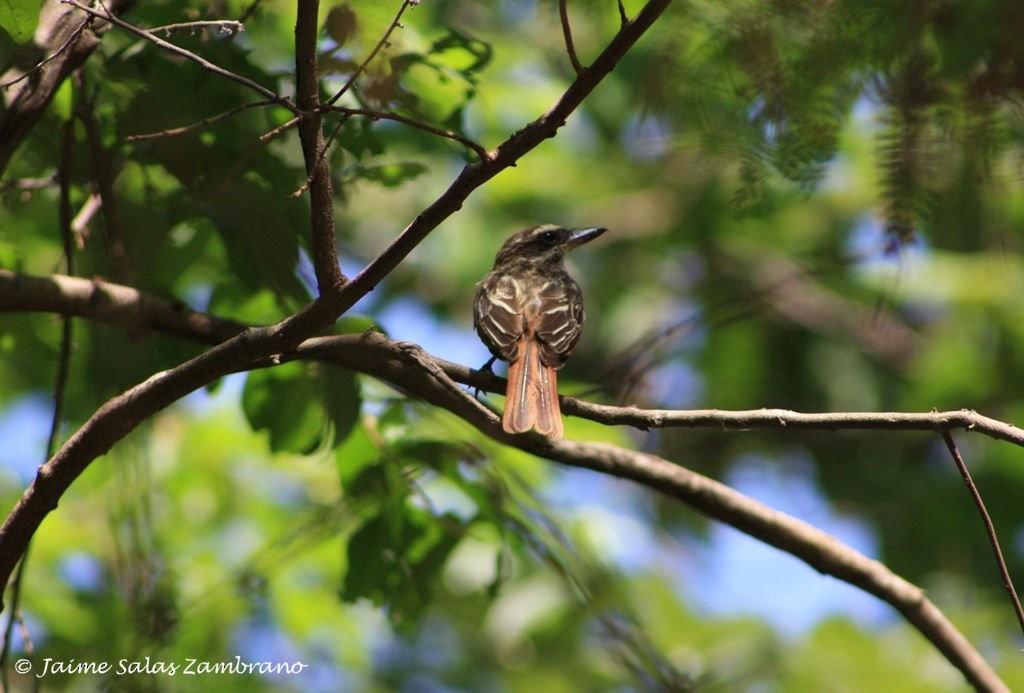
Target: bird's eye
(549, 237)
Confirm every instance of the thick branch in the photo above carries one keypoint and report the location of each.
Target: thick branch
(403, 365)
(433, 380)
(112, 303)
(122, 305)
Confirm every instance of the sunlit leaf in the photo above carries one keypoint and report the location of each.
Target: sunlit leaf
(19, 18)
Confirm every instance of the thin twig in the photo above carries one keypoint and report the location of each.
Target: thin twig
(177, 50)
(28, 183)
(990, 529)
(396, 23)
(623, 17)
(279, 130)
(199, 125)
(563, 15)
(80, 224)
(425, 127)
(52, 56)
(224, 26)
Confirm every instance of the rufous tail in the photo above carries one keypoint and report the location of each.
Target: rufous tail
(532, 394)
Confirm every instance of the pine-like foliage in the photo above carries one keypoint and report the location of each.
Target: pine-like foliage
(775, 83)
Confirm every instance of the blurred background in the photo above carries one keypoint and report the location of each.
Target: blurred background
(815, 206)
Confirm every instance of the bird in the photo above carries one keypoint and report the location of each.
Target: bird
(528, 311)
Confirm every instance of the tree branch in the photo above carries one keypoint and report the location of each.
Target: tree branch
(434, 380)
(321, 188)
(563, 15)
(388, 115)
(506, 155)
(111, 303)
(122, 305)
(198, 125)
(122, 414)
(402, 365)
(65, 37)
(107, 15)
(223, 26)
(990, 529)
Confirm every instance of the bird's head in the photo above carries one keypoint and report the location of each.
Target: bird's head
(544, 245)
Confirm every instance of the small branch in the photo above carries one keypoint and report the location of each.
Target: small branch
(307, 96)
(396, 23)
(28, 183)
(223, 26)
(69, 37)
(279, 130)
(80, 224)
(199, 125)
(181, 52)
(990, 529)
(74, 36)
(646, 419)
(623, 17)
(388, 115)
(111, 303)
(563, 15)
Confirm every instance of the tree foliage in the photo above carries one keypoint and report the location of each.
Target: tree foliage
(236, 269)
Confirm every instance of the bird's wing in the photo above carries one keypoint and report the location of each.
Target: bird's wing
(498, 314)
(559, 320)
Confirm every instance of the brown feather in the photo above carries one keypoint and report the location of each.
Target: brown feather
(529, 312)
(520, 404)
(549, 414)
(531, 399)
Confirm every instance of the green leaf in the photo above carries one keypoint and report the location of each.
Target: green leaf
(63, 103)
(342, 400)
(394, 560)
(300, 405)
(341, 24)
(19, 18)
(390, 175)
(461, 52)
(283, 401)
(260, 236)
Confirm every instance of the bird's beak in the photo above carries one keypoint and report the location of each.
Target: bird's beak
(581, 236)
